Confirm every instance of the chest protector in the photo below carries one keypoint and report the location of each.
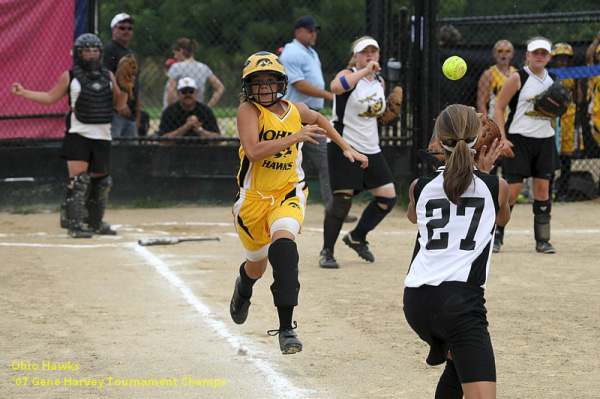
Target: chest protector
(95, 101)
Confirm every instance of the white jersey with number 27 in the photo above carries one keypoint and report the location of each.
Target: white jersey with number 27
(454, 242)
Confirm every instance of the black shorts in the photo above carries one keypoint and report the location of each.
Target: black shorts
(345, 175)
(533, 158)
(95, 152)
(452, 317)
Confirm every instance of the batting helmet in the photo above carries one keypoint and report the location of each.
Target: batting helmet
(562, 49)
(87, 40)
(268, 63)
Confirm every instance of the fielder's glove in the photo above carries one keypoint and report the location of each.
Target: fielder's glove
(127, 69)
(554, 101)
(392, 107)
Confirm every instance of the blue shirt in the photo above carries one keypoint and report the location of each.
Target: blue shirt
(302, 63)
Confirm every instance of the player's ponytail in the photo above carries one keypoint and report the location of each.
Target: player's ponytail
(458, 127)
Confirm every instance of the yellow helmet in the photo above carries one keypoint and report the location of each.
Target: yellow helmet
(264, 62)
(562, 49)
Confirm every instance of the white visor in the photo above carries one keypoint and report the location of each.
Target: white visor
(363, 44)
(537, 44)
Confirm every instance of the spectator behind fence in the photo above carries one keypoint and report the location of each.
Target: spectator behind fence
(307, 85)
(187, 116)
(592, 56)
(93, 93)
(528, 137)
(125, 122)
(167, 65)
(570, 140)
(493, 78)
(187, 66)
(359, 100)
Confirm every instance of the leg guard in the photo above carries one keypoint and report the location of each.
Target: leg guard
(96, 204)
(334, 218)
(541, 221)
(283, 255)
(372, 215)
(75, 203)
(449, 386)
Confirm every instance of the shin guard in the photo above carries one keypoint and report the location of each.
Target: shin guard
(283, 256)
(541, 220)
(75, 204)
(97, 200)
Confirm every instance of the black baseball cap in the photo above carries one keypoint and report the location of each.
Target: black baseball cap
(306, 21)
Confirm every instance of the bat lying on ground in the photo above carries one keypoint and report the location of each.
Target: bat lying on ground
(172, 240)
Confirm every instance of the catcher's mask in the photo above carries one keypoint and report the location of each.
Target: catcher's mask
(88, 40)
(562, 49)
(259, 63)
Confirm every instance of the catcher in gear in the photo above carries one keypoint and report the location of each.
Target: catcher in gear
(271, 203)
(93, 93)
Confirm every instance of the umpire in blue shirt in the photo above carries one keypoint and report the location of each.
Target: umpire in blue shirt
(306, 84)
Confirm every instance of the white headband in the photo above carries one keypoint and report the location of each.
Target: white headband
(470, 145)
(363, 44)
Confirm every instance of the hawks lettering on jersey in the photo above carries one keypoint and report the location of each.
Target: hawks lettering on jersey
(281, 170)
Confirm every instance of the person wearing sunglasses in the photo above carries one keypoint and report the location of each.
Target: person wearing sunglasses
(187, 116)
(126, 121)
(493, 78)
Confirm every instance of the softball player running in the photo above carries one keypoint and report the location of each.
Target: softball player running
(270, 206)
(456, 208)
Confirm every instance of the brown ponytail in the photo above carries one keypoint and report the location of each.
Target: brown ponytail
(457, 126)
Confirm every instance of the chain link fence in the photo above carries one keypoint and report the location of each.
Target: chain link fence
(226, 32)
(494, 47)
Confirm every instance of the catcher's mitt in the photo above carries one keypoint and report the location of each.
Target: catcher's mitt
(434, 155)
(554, 101)
(127, 69)
(489, 132)
(392, 107)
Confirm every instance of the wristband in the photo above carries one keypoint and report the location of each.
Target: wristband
(345, 84)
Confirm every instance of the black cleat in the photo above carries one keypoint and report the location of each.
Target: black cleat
(288, 340)
(80, 233)
(238, 308)
(544, 247)
(104, 229)
(326, 260)
(497, 245)
(361, 247)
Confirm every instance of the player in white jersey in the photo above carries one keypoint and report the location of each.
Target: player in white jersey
(359, 100)
(456, 209)
(530, 149)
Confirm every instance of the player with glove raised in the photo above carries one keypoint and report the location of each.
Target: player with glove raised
(529, 150)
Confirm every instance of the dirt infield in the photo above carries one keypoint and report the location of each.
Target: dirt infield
(113, 312)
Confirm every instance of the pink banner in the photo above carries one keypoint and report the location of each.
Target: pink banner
(37, 37)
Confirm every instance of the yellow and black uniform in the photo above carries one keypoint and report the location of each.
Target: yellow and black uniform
(496, 82)
(566, 125)
(594, 107)
(274, 187)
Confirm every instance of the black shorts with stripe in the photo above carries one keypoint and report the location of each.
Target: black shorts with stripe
(95, 152)
(452, 317)
(536, 158)
(345, 175)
